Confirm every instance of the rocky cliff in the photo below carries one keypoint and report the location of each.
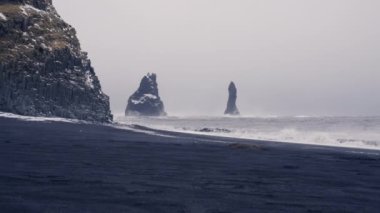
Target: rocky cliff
(43, 71)
(146, 100)
(231, 104)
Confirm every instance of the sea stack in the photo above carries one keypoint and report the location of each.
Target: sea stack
(43, 71)
(146, 100)
(231, 104)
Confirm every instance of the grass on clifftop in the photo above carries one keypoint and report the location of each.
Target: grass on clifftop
(10, 9)
(45, 29)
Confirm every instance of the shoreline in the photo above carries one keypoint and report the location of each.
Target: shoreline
(172, 133)
(269, 143)
(349, 132)
(74, 167)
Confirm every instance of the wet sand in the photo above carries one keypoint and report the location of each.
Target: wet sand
(67, 167)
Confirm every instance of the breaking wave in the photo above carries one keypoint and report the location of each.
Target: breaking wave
(354, 132)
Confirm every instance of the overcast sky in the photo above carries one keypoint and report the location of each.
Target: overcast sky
(287, 57)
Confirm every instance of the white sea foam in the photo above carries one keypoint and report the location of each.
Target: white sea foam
(355, 132)
(32, 118)
(137, 130)
(66, 120)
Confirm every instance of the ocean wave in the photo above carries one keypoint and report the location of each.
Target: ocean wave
(354, 132)
(290, 136)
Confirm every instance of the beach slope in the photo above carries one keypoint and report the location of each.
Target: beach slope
(79, 167)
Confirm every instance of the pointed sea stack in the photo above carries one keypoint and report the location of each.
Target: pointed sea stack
(231, 104)
(43, 71)
(146, 100)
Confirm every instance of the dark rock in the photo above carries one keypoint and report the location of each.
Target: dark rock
(146, 100)
(231, 104)
(216, 130)
(43, 71)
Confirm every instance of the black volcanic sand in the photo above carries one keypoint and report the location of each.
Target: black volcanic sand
(66, 167)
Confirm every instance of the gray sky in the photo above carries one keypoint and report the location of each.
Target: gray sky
(287, 57)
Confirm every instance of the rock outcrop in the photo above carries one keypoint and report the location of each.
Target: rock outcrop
(146, 100)
(43, 71)
(231, 104)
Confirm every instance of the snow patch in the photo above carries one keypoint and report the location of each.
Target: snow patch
(144, 98)
(89, 80)
(23, 11)
(3, 17)
(27, 8)
(150, 96)
(44, 46)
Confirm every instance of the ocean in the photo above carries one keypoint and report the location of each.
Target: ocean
(354, 132)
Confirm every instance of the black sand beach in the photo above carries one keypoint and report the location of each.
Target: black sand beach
(67, 167)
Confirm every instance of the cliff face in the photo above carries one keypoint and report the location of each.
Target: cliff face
(43, 71)
(231, 104)
(146, 100)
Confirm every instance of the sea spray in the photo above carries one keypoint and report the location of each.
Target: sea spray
(356, 132)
